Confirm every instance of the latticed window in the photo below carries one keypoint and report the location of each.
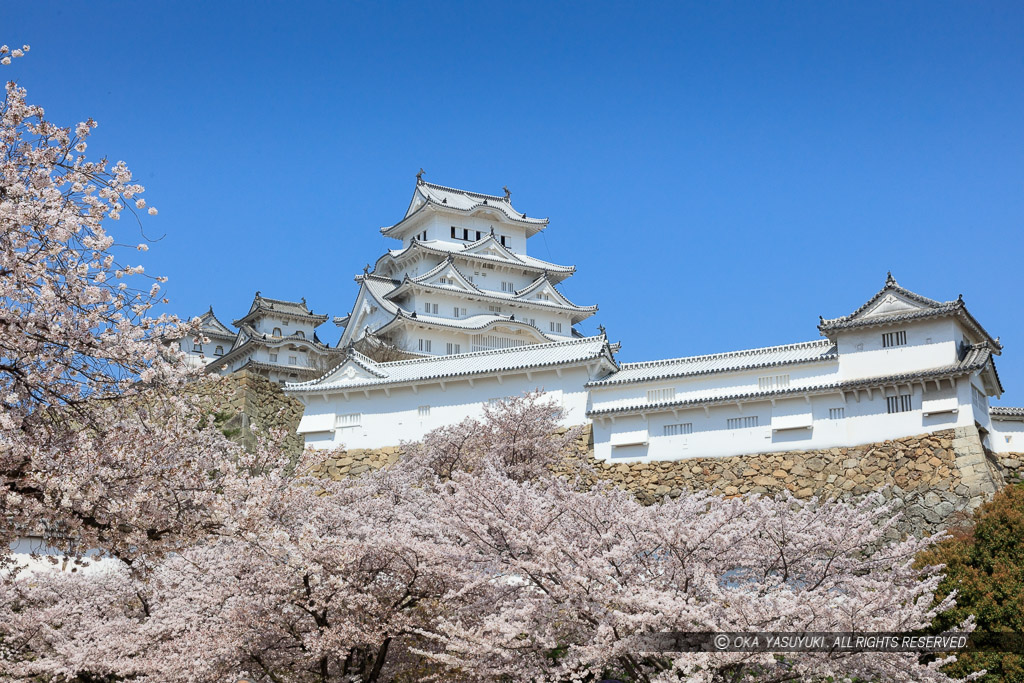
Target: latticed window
(898, 404)
(836, 413)
(773, 382)
(350, 420)
(678, 429)
(661, 395)
(423, 411)
(741, 422)
(890, 339)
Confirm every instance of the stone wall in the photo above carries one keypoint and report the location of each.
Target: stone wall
(935, 478)
(246, 400)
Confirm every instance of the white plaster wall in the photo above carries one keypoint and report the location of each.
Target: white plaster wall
(439, 227)
(864, 421)
(715, 384)
(1007, 436)
(930, 344)
(389, 420)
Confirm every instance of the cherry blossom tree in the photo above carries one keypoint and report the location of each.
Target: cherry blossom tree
(469, 558)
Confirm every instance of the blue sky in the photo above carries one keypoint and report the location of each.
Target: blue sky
(720, 173)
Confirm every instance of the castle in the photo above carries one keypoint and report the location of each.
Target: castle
(465, 316)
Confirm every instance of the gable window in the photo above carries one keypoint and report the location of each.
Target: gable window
(444, 281)
(659, 395)
(277, 332)
(423, 411)
(300, 334)
(555, 327)
(219, 351)
(836, 413)
(890, 339)
(350, 420)
(453, 348)
(741, 422)
(425, 345)
(678, 429)
(898, 404)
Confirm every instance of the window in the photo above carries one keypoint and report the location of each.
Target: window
(425, 345)
(423, 411)
(772, 382)
(350, 420)
(555, 327)
(277, 332)
(836, 413)
(453, 348)
(659, 395)
(489, 342)
(219, 351)
(979, 399)
(459, 312)
(678, 429)
(508, 287)
(421, 236)
(493, 401)
(444, 281)
(197, 347)
(273, 358)
(429, 308)
(533, 321)
(741, 422)
(293, 360)
(300, 334)
(544, 297)
(494, 309)
(502, 240)
(898, 404)
(890, 339)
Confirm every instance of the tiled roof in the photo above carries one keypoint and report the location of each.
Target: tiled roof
(976, 359)
(804, 352)
(1006, 412)
(511, 298)
(210, 326)
(929, 308)
(293, 309)
(443, 248)
(471, 323)
(465, 202)
(463, 365)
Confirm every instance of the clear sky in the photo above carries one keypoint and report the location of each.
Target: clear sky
(720, 173)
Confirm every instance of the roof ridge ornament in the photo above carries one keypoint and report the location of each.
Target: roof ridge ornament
(366, 269)
(600, 329)
(508, 193)
(419, 176)
(889, 279)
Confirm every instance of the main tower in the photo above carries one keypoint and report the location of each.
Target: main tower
(461, 281)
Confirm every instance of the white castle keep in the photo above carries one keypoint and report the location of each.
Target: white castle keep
(470, 317)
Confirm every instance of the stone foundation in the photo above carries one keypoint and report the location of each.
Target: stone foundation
(936, 479)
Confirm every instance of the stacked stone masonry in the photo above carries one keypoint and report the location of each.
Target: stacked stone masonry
(936, 479)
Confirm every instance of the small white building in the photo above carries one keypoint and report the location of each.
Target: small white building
(275, 339)
(212, 342)
(489, 322)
